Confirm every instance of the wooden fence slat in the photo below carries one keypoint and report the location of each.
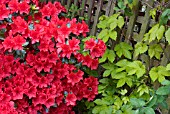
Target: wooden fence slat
(91, 3)
(63, 2)
(112, 8)
(83, 2)
(108, 7)
(146, 20)
(97, 14)
(132, 21)
(68, 3)
(76, 2)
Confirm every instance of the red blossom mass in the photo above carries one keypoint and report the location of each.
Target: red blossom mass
(41, 60)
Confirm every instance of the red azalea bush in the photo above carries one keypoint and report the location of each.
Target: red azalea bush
(41, 59)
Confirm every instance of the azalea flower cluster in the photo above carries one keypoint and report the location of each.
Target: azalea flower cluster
(36, 47)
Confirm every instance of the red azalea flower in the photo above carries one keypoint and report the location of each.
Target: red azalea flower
(53, 57)
(71, 99)
(4, 12)
(90, 88)
(42, 76)
(8, 42)
(19, 25)
(75, 77)
(96, 47)
(4, 98)
(14, 6)
(31, 92)
(49, 102)
(17, 93)
(24, 7)
(94, 64)
(18, 41)
(74, 45)
(30, 59)
(87, 60)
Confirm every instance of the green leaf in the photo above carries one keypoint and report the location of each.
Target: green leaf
(143, 89)
(113, 25)
(106, 73)
(155, 50)
(140, 48)
(111, 55)
(103, 33)
(153, 32)
(121, 82)
(97, 109)
(89, 104)
(167, 35)
(122, 64)
(152, 12)
(160, 32)
(113, 34)
(147, 110)
(119, 75)
(166, 82)
(130, 1)
(123, 49)
(153, 101)
(164, 90)
(101, 102)
(164, 105)
(136, 67)
(108, 66)
(120, 22)
(168, 67)
(121, 5)
(158, 73)
(104, 81)
(129, 82)
(164, 17)
(102, 24)
(105, 38)
(104, 57)
(137, 102)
